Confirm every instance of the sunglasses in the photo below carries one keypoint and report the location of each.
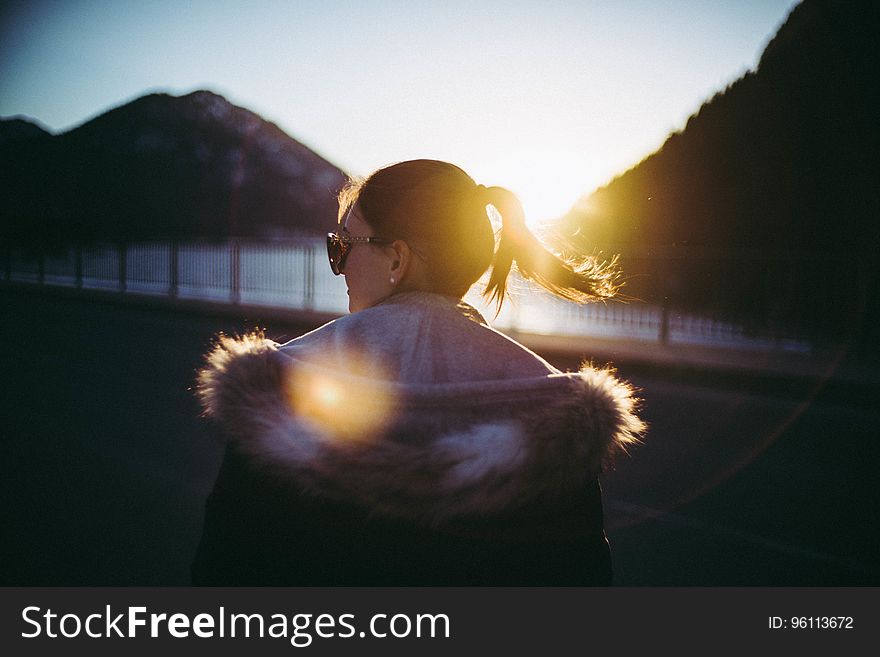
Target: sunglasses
(339, 246)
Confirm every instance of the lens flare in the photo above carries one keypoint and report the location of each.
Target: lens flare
(346, 398)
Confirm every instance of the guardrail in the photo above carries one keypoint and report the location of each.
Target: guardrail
(294, 274)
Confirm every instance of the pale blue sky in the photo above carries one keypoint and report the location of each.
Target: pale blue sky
(548, 98)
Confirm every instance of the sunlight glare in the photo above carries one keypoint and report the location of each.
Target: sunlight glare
(548, 184)
(342, 407)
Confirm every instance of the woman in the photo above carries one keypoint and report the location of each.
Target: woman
(409, 443)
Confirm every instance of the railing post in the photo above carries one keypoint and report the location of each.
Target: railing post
(309, 277)
(122, 252)
(78, 266)
(514, 316)
(664, 323)
(235, 271)
(173, 274)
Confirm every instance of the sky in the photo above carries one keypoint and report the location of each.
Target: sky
(550, 99)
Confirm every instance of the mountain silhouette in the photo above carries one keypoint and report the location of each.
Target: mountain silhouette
(766, 204)
(19, 128)
(161, 166)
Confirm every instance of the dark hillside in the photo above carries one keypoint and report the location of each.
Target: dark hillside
(765, 206)
(159, 167)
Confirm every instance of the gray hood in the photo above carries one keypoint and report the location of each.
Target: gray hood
(416, 408)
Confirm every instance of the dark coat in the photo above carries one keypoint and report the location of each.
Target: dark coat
(407, 444)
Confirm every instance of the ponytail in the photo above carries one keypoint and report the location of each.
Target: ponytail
(576, 279)
(438, 206)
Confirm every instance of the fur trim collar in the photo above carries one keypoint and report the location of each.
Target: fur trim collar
(426, 452)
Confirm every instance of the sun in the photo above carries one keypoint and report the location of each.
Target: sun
(548, 185)
(545, 201)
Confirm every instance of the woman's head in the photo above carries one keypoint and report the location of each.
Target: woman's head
(431, 231)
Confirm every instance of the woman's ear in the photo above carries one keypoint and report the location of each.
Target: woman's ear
(401, 258)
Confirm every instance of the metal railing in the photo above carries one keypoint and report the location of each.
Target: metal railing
(294, 274)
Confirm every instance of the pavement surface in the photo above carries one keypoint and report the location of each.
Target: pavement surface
(749, 476)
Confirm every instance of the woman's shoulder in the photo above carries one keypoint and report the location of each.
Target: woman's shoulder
(399, 313)
(420, 337)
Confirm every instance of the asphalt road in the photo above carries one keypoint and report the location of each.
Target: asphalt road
(106, 465)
